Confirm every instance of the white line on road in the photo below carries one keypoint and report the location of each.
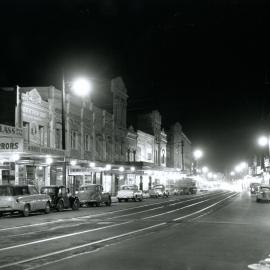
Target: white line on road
(199, 211)
(175, 210)
(61, 236)
(171, 211)
(82, 246)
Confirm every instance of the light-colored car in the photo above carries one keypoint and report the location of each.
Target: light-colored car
(127, 192)
(23, 199)
(93, 195)
(158, 191)
(263, 193)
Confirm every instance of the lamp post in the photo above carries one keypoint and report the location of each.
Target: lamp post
(264, 141)
(80, 87)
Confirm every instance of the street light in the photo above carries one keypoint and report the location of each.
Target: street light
(197, 154)
(262, 141)
(80, 87)
(204, 169)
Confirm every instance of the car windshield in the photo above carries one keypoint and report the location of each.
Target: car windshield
(47, 190)
(129, 188)
(6, 191)
(265, 188)
(92, 188)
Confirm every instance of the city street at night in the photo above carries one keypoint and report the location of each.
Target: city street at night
(214, 230)
(134, 134)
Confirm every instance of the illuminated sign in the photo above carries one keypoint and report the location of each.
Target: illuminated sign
(11, 144)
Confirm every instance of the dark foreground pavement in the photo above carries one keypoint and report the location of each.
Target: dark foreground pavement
(232, 237)
(159, 234)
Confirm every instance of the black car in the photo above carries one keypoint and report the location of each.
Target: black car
(61, 198)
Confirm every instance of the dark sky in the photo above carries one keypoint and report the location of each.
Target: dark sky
(202, 64)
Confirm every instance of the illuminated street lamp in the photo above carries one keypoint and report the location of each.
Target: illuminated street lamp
(263, 141)
(80, 87)
(232, 173)
(204, 169)
(197, 154)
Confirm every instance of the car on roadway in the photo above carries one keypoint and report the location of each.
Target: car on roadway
(129, 192)
(23, 199)
(158, 191)
(93, 194)
(254, 187)
(61, 198)
(263, 193)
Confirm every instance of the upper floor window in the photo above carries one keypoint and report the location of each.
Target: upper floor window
(41, 135)
(73, 139)
(87, 142)
(26, 130)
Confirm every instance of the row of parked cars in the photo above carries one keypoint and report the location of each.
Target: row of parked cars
(26, 198)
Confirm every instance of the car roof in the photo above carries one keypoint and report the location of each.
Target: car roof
(53, 186)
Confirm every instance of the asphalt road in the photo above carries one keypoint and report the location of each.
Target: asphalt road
(217, 230)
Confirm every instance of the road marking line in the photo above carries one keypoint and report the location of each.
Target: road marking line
(131, 214)
(175, 210)
(199, 211)
(61, 236)
(171, 211)
(82, 246)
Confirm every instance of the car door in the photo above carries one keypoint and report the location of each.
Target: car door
(35, 199)
(98, 193)
(64, 195)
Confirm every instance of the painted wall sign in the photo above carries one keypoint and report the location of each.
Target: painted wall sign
(9, 130)
(11, 144)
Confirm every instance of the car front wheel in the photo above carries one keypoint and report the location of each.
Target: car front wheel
(76, 205)
(47, 208)
(109, 202)
(60, 206)
(26, 210)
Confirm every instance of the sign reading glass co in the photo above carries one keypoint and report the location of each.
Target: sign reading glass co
(11, 144)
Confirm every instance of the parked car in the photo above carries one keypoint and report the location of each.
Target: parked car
(263, 193)
(188, 190)
(158, 191)
(61, 198)
(146, 194)
(23, 199)
(93, 195)
(131, 192)
(254, 187)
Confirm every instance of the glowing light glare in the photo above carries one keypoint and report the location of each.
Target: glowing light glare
(210, 175)
(243, 165)
(232, 173)
(132, 169)
(40, 168)
(214, 176)
(92, 164)
(204, 169)
(238, 168)
(108, 167)
(121, 169)
(81, 87)
(198, 154)
(15, 157)
(49, 160)
(73, 162)
(263, 141)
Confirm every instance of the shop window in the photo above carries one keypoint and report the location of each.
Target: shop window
(58, 138)
(87, 142)
(73, 139)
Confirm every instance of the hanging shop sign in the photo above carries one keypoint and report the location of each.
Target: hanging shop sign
(11, 144)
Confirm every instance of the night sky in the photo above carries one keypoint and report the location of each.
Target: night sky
(204, 65)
